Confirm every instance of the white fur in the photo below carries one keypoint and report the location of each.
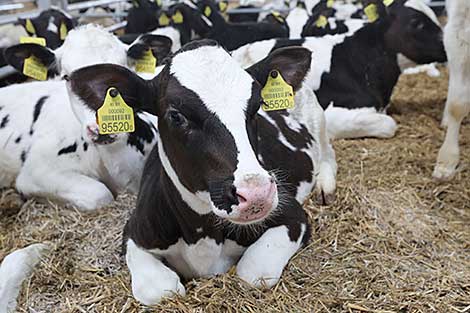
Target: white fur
(420, 6)
(296, 21)
(457, 45)
(14, 269)
(171, 33)
(264, 261)
(87, 179)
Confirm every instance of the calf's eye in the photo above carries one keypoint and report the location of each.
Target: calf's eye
(176, 118)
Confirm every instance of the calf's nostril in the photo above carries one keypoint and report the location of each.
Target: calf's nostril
(241, 198)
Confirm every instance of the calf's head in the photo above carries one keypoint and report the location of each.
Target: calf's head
(415, 32)
(207, 108)
(84, 46)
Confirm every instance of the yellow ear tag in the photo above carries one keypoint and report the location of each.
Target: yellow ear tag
(30, 27)
(37, 40)
(63, 31)
(163, 20)
(115, 116)
(321, 21)
(329, 3)
(34, 68)
(177, 17)
(388, 2)
(147, 63)
(278, 16)
(159, 2)
(223, 6)
(207, 11)
(277, 94)
(371, 13)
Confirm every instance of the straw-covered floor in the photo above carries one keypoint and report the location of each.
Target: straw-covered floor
(394, 241)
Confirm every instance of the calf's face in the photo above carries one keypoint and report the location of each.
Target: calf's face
(415, 32)
(206, 105)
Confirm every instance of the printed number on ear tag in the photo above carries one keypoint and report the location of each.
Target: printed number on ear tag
(371, 13)
(63, 31)
(321, 21)
(207, 11)
(115, 116)
(329, 3)
(277, 94)
(37, 40)
(34, 68)
(388, 2)
(177, 17)
(147, 63)
(30, 27)
(163, 20)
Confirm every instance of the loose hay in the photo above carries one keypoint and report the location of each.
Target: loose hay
(394, 241)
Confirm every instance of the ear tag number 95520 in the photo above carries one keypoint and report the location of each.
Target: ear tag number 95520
(115, 116)
(277, 94)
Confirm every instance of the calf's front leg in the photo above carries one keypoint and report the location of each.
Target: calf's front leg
(264, 261)
(151, 279)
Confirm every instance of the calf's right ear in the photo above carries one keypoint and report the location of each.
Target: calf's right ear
(90, 84)
(15, 56)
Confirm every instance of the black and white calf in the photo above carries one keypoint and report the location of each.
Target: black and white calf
(234, 35)
(354, 75)
(209, 198)
(49, 148)
(48, 25)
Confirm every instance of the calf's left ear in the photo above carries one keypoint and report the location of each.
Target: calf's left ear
(160, 46)
(292, 62)
(90, 84)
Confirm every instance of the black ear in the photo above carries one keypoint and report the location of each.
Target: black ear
(160, 46)
(91, 83)
(292, 62)
(15, 56)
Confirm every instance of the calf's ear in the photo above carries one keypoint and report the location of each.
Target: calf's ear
(160, 46)
(90, 84)
(15, 56)
(292, 62)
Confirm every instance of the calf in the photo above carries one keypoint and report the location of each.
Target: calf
(296, 20)
(234, 35)
(457, 44)
(142, 18)
(52, 24)
(243, 17)
(355, 74)
(209, 198)
(14, 269)
(51, 149)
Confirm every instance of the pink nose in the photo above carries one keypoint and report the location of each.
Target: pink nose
(255, 201)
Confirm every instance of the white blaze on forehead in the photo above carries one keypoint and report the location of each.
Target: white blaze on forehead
(420, 6)
(225, 89)
(51, 26)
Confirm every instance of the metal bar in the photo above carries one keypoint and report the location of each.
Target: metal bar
(90, 4)
(254, 10)
(99, 15)
(12, 18)
(437, 4)
(117, 26)
(13, 6)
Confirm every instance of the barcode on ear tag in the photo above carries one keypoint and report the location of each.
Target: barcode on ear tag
(36, 40)
(34, 68)
(277, 94)
(115, 116)
(147, 63)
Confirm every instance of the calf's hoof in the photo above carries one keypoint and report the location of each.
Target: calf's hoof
(164, 287)
(324, 198)
(444, 172)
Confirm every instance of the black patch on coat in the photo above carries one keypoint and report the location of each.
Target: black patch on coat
(23, 156)
(37, 110)
(85, 146)
(68, 149)
(17, 140)
(5, 121)
(144, 132)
